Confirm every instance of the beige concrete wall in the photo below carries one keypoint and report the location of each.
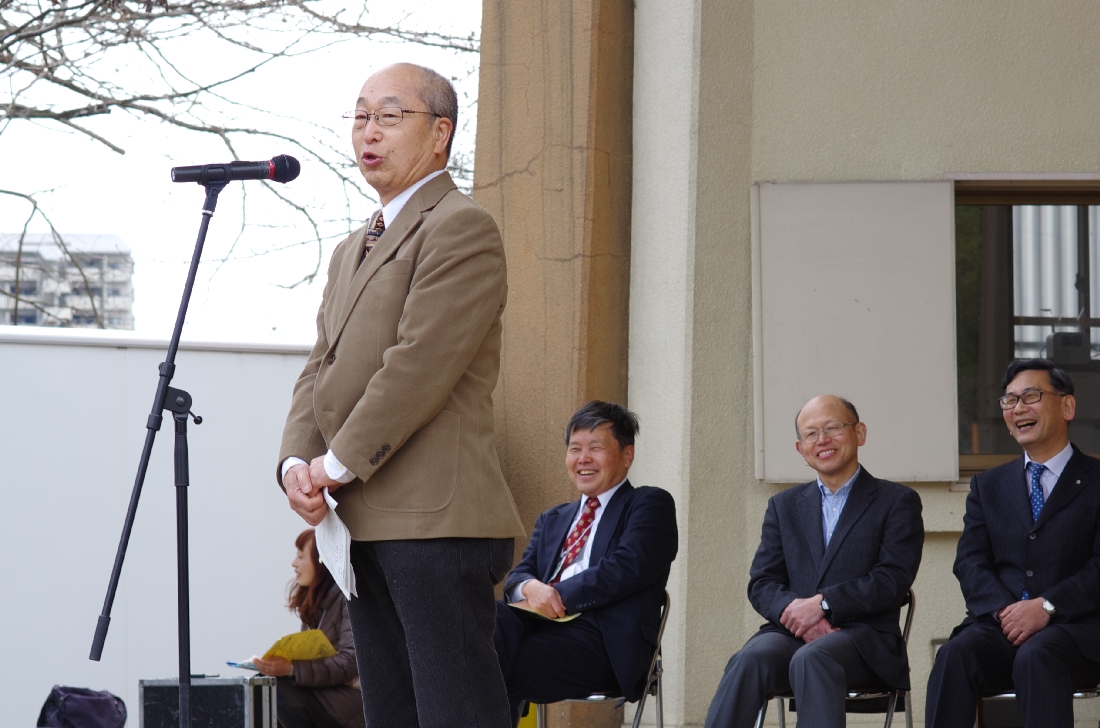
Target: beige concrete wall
(806, 91)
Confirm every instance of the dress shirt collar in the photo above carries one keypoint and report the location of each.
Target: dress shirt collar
(1056, 464)
(842, 490)
(393, 208)
(605, 497)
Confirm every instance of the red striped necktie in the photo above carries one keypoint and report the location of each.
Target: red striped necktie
(578, 537)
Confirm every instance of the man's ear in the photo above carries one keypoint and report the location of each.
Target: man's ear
(861, 433)
(628, 455)
(443, 131)
(1069, 407)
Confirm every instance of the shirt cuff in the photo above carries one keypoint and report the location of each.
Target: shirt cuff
(336, 470)
(516, 593)
(289, 463)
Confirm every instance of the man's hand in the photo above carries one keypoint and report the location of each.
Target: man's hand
(1023, 619)
(273, 666)
(818, 631)
(319, 475)
(544, 599)
(306, 498)
(801, 614)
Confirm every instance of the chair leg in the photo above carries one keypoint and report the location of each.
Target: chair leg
(781, 713)
(908, 709)
(890, 708)
(761, 714)
(640, 710)
(540, 715)
(660, 705)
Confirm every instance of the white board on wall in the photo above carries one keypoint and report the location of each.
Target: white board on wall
(854, 294)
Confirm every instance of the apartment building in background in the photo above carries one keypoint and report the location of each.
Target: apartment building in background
(79, 281)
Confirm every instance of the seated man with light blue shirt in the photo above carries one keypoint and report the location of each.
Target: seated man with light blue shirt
(836, 560)
(603, 561)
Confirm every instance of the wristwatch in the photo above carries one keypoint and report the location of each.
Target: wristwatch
(825, 608)
(1049, 608)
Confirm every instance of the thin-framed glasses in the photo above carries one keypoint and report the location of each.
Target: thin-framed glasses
(386, 116)
(1028, 396)
(830, 430)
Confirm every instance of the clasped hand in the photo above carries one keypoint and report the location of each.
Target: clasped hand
(1023, 619)
(543, 598)
(805, 619)
(303, 485)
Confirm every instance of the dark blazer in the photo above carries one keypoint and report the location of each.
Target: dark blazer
(864, 575)
(1001, 552)
(624, 584)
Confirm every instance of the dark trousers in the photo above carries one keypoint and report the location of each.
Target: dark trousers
(300, 707)
(819, 674)
(545, 662)
(423, 626)
(980, 660)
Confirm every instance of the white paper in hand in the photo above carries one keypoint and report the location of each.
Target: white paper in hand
(334, 546)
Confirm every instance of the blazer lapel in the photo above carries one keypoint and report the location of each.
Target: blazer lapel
(862, 495)
(1018, 492)
(408, 220)
(557, 528)
(609, 521)
(1069, 486)
(809, 508)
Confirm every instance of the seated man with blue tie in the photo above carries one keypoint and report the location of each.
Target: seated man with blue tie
(836, 560)
(604, 560)
(1028, 562)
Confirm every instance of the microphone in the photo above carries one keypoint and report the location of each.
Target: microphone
(282, 168)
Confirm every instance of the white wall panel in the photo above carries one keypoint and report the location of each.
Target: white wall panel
(854, 294)
(73, 409)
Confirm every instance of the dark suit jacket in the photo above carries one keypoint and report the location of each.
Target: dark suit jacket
(624, 584)
(865, 574)
(1001, 552)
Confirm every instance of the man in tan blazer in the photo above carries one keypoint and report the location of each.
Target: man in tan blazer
(393, 413)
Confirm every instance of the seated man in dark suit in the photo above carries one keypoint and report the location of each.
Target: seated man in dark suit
(836, 559)
(605, 558)
(1028, 562)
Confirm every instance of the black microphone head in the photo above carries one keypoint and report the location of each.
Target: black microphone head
(286, 168)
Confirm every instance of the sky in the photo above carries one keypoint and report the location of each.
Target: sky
(245, 290)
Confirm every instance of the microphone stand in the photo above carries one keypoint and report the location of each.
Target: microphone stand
(178, 403)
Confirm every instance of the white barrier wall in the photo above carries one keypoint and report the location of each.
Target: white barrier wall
(73, 407)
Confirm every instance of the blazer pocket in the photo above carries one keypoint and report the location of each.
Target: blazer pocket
(422, 475)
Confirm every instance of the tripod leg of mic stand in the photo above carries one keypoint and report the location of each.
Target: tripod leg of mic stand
(182, 478)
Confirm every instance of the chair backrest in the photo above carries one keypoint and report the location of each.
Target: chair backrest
(912, 603)
(649, 686)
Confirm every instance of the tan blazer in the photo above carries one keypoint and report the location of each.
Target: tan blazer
(399, 384)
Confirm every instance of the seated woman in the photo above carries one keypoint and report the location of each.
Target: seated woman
(317, 693)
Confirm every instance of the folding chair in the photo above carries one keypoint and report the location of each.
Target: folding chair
(893, 698)
(653, 684)
(1079, 695)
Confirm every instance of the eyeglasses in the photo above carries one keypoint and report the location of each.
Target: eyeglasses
(386, 116)
(1028, 396)
(830, 430)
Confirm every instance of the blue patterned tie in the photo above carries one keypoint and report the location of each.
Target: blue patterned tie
(1035, 470)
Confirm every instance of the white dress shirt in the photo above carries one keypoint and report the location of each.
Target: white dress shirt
(1054, 467)
(333, 467)
(581, 562)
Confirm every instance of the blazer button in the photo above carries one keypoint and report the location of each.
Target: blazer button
(386, 447)
(1031, 536)
(331, 359)
(374, 461)
(380, 454)
(1029, 573)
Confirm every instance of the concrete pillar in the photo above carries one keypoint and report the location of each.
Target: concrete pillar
(553, 166)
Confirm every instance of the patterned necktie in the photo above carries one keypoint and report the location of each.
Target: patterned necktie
(373, 234)
(1035, 470)
(574, 545)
